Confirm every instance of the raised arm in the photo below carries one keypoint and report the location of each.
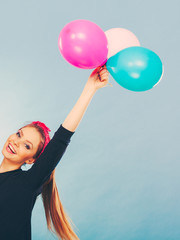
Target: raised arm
(56, 148)
(97, 79)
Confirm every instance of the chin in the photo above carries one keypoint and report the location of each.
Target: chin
(4, 153)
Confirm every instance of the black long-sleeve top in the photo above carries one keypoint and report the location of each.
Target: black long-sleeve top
(19, 189)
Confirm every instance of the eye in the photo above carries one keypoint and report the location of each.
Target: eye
(27, 146)
(18, 133)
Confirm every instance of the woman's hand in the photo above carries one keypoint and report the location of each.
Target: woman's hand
(98, 78)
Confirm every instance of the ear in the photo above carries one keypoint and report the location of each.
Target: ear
(30, 161)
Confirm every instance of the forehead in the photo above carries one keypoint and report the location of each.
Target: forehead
(31, 134)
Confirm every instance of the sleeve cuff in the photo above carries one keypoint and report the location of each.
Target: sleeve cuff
(63, 134)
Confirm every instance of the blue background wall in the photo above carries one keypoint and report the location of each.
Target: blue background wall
(119, 178)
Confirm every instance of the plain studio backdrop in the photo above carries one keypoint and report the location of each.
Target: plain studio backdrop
(120, 176)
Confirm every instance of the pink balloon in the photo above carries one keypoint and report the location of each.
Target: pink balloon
(83, 44)
(118, 39)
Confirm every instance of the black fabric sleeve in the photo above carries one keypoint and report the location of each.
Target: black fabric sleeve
(48, 160)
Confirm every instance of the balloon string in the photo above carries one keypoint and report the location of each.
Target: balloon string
(110, 85)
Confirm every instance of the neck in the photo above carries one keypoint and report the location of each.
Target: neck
(5, 166)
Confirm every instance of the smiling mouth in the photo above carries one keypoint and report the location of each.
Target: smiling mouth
(9, 150)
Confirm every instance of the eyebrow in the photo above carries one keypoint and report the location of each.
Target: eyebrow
(26, 140)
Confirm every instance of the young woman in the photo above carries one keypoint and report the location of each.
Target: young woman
(32, 144)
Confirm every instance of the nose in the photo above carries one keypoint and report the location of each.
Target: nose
(16, 142)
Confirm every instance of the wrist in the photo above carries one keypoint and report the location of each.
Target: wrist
(89, 88)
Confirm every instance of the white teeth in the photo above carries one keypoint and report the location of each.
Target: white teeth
(11, 148)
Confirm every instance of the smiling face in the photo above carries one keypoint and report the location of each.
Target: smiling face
(24, 143)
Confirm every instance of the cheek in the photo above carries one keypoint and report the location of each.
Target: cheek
(22, 151)
(10, 138)
(25, 153)
(6, 143)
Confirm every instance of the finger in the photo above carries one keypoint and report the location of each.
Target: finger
(104, 75)
(95, 71)
(104, 79)
(99, 68)
(103, 71)
(102, 67)
(99, 76)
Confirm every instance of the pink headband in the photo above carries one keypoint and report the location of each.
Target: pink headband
(46, 132)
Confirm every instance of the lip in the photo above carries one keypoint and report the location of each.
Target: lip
(7, 148)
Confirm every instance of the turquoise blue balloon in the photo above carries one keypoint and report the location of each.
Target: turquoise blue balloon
(136, 68)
